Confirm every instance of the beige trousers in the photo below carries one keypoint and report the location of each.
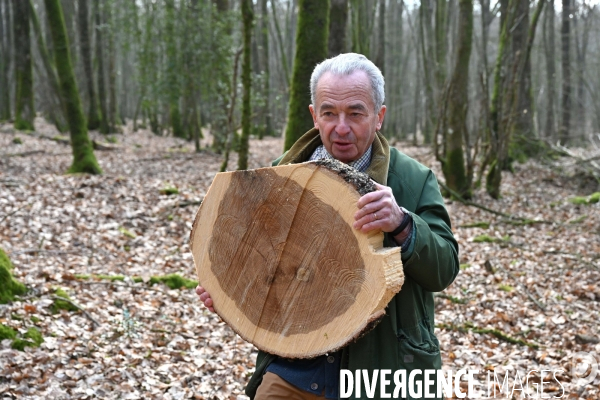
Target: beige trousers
(275, 388)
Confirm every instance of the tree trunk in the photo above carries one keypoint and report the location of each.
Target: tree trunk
(247, 17)
(565, 36)
(173, 86)
(83, 154)
(103, 100)
(549, 46)
(24, 110)
(5, 86)
(311, 49)
(458, 105)
(338, 20)
(294, 248)
(523, 134)
(264, 12)
(85, 44)
(380, 53)
(112, 68)
(58, 114)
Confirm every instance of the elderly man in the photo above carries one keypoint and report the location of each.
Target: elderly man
(347, 94)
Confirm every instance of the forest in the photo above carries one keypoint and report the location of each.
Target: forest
(116, 115)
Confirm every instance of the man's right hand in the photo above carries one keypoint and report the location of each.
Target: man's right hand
(205, 298)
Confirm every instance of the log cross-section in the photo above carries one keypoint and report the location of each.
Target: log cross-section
(276, 250)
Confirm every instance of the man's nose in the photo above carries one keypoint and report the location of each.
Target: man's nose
(342, 127)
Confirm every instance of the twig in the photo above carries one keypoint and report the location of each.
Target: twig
(87, 314)
(484, 208)
(113, 283)
(34, 251)
(13, 212)
(26, 153)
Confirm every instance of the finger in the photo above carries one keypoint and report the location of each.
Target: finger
(199, 290)
(370, 197)
(208, 303)
(204, 296)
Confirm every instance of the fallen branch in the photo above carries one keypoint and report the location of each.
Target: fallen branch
(26, 153)
(113, 283)
(488, 331)
(87, 314)
(461, 199)
(13, 212)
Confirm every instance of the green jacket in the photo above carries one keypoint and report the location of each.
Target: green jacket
(404, 339)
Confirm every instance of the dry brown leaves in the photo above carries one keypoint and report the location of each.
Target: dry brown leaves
(153, 342)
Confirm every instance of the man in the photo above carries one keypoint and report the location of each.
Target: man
(347, 94)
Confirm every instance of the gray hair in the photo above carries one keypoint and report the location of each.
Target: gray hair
(346, 64)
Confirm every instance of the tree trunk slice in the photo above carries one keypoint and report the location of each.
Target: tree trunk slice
(276, 250)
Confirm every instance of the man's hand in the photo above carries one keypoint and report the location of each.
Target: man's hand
(378, 210)
(205, 298)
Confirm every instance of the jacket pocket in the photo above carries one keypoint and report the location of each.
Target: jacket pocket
(417, 358)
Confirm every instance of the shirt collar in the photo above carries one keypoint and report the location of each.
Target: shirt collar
(360, 165)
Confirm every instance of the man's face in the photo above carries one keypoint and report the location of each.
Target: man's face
(345, 115)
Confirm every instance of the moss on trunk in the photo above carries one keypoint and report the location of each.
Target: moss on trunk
(311, 49)
(9, 287)
(83, 153)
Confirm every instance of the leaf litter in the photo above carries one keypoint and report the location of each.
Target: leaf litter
(526, 301)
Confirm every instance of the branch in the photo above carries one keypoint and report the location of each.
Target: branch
(87, 314)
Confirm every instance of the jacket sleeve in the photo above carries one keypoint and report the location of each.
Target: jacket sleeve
(433, 263)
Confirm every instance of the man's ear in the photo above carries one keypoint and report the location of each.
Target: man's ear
(311, 108)
(380, 116)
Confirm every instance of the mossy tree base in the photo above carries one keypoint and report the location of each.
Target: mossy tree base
(9, 287)
(31, 338)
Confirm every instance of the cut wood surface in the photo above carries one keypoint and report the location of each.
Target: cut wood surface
(276, 250)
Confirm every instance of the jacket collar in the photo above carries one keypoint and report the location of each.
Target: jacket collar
(308, 143)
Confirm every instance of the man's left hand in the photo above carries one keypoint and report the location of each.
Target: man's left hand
(378, 210)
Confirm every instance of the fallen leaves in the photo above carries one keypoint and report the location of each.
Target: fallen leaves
(157, 342)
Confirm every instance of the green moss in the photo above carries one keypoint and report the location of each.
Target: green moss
(578, 220)
(464, 266)
(581, 200)
(9, 287)
(6, 332)
(31, 338)
(16, 317)
(484, 239)
(17, 140)
(111, 278)
(34, 319)
(506, 288)
(174, 281)
(577, 200)
(111, 139)
(83, 277)
(127, 232)
(60, 304)
(169, 190)
(484, 225)
(137, 279)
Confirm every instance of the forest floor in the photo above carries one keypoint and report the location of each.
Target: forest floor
(527, 297)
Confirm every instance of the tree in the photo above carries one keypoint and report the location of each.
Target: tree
(453, 164)
(4, 60)
(83, 153)
(247, 18)
(85, 45)
(549, 45)
(9, 287)
(338, 19)
(565, 38)
(264, 29)
(173, 86)
(102, 98)
(24, 110)
(311, 48)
